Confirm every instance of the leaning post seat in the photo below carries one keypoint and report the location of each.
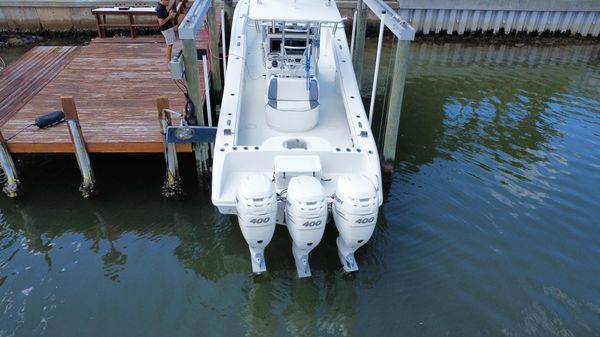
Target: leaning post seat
(291, 104)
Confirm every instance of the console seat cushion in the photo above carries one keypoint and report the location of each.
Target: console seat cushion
(291, 106)
(287, 93)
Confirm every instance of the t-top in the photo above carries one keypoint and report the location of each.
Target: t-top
(162, 13)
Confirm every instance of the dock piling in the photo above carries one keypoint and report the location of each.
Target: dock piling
(11, 187)
(173, 186)
(405, 33)
(395, 95)
(213, 43)
(358, 57)
(192, 78)
(201, 11)
(228, 7)
(88, 186)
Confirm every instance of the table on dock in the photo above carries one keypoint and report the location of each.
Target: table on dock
(129, 12)
(114, 83)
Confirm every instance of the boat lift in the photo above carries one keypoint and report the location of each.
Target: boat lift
(405, 33)
(185, 66)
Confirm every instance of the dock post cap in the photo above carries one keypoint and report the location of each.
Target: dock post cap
(69, 108)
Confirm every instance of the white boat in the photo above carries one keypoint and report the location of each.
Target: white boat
(293, 142)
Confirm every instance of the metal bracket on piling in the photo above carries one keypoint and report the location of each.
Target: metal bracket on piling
(11, 187)
(173, 186)
(88, 186)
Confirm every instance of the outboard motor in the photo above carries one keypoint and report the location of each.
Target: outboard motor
(257, 209)
(306, 215)
(355, 211)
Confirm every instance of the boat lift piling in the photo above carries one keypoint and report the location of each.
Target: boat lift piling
(193, 21)
(228, 6)
(11, 187)
(396, 94)
(213, 47)
(88, 186)
(173, 186)
(358, 56)
(353, 35)
(404, 33)
(192, 79)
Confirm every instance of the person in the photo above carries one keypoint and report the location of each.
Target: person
(165, 21)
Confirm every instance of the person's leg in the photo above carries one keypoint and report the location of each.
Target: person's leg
(169, 35)
(169, 52)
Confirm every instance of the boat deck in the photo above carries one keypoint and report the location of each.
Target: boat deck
(253, 129)
(114, 83)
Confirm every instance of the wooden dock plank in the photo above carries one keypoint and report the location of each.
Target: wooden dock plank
(23, 79)
(114, 86)
(114, 82)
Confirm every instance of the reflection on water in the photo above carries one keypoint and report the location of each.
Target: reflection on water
(489, 227)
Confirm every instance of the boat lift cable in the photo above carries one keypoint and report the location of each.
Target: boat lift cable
(207, 93)
(377, 60)
(20, 131)
(307, 66)
(382, 120)
(189, 105)
(223, 42)
(353, 37)
(208, 51)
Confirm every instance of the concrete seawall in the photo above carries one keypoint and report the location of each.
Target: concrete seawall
(427, 16)
(463, 16)
(38, 15)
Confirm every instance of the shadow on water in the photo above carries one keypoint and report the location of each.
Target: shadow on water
(129, 250)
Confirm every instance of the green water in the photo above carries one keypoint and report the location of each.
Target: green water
(490, 226)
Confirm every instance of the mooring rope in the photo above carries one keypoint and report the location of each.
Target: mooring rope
(20, 131)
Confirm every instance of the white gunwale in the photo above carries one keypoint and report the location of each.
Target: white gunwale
(246, 144)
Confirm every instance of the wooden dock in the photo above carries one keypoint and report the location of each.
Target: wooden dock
(114, 82)
(114, 94)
